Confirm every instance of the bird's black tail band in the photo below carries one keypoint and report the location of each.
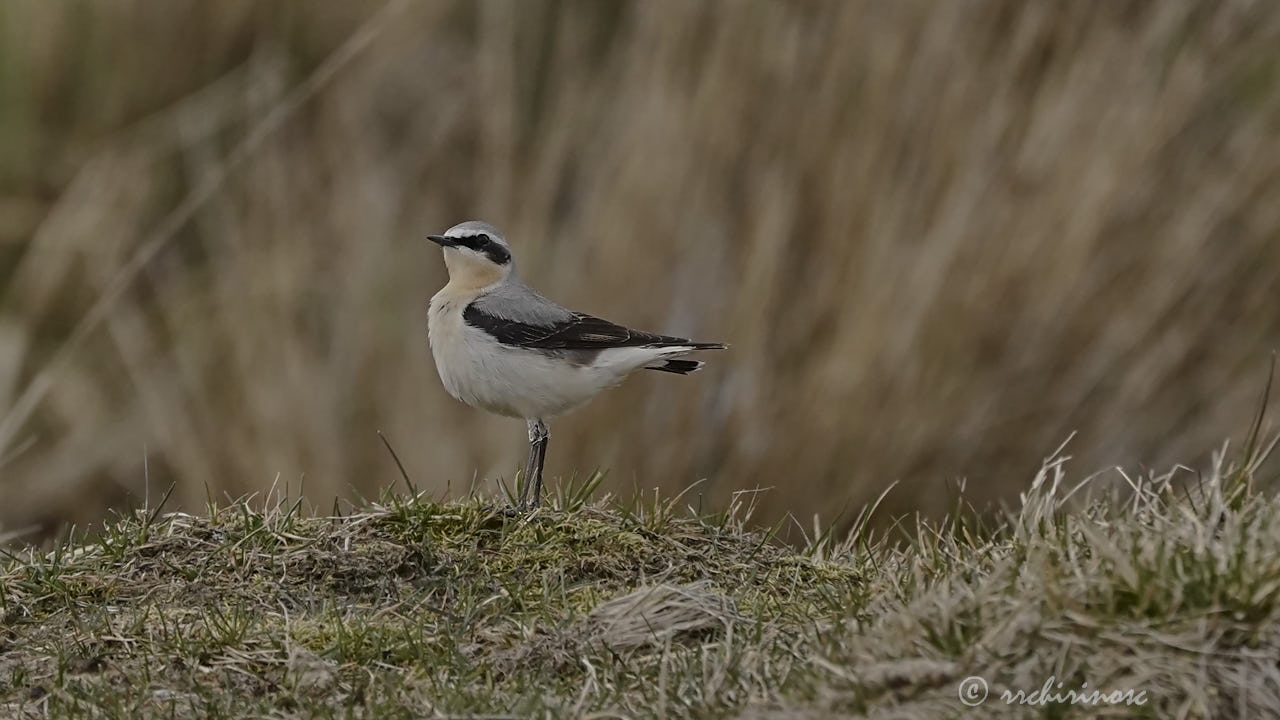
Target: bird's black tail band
(680, 367)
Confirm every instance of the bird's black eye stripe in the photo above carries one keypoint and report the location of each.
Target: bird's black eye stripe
(474, 242)
(482, 243)
(498, 254)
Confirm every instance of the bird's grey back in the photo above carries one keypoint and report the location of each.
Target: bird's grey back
(513, 300)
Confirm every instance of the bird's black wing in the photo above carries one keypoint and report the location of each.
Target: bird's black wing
(578, 332)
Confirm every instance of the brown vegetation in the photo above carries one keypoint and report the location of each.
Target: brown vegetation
(938, 236)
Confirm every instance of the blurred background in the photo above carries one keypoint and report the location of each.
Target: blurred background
(940, 238)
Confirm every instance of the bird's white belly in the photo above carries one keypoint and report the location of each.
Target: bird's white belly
(479, 371)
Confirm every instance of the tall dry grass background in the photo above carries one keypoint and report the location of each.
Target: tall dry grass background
(940, 237)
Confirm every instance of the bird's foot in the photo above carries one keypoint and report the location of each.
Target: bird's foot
(518, 509)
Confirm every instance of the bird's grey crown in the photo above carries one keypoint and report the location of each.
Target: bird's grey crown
(476, 227)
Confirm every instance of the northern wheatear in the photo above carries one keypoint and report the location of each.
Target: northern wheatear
(502, 347)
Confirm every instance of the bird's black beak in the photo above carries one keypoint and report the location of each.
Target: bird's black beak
(442, 241)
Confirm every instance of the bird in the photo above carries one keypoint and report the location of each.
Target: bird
(500, 346)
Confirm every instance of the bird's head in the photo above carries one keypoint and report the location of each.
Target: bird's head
(475, 253)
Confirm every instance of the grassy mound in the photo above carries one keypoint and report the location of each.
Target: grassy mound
(412, 608)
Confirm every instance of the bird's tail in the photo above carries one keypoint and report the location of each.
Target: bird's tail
(685, 345)
(680, 367)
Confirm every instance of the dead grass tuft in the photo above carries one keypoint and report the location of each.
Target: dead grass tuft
(657, 615)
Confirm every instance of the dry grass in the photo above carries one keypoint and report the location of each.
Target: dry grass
(938, 238)
(408, 609)
(599, 609)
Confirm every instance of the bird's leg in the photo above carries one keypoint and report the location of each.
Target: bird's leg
(538, 435)
(528, 469)
(542, 461)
